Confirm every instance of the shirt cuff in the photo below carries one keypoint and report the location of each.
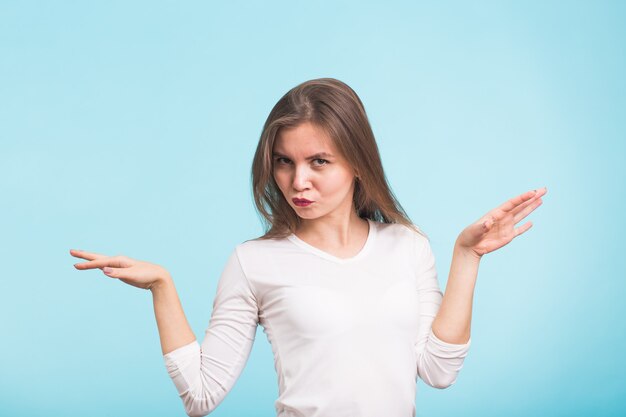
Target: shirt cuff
(181, 352)
(180, 362)
(449, 348)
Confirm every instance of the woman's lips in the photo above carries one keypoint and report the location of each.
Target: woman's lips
(301, 202)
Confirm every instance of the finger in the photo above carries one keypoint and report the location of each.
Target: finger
(516, 201)
(523, 228)
(527, 210)
(525, 204)
(116, 261)
(488, 222)
(85, 255)
(113, 272)
(123, 275)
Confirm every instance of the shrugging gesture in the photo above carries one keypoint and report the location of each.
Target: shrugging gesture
(497, 228)
(492, 231)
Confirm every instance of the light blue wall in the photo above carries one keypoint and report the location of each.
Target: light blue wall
(129, 128)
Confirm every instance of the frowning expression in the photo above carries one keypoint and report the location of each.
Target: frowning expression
(308, 166)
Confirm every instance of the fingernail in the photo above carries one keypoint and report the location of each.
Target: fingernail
(106, 270)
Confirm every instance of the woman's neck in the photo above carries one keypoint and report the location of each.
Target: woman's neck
(344, 235)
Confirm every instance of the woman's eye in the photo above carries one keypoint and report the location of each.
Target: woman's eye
(284, 161)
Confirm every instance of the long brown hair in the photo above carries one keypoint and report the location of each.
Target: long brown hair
(334, 107)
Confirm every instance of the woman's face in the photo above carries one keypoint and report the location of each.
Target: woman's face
(307, 165)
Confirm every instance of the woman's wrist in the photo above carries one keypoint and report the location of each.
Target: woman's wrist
(466, 252)
(161, 284)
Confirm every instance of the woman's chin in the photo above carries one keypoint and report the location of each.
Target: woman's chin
(306, 214)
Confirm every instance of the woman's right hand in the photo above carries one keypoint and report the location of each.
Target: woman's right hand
(139, 274)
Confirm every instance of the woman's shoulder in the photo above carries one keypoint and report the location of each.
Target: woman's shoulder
(400, 231)
(260, 247)
(259, 257)
(398, 238)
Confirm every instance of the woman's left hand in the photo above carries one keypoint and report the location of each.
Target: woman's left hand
(497, 228)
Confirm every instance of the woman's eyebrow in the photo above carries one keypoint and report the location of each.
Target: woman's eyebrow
(319, 155)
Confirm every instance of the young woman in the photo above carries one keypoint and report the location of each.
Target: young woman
(342, 282)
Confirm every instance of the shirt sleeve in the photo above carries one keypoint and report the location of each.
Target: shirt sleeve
(438, 362)
(204, 374)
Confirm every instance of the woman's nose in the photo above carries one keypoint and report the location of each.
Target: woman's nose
(301, 178)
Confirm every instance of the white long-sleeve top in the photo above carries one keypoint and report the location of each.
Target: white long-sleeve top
(349, 336)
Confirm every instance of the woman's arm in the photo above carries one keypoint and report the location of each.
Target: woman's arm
(174, 329)
(203, 374)
(492, 231)
(438, 362)
(452, 323)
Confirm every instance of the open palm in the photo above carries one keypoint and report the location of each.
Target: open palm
(131, 271)
(497, 228)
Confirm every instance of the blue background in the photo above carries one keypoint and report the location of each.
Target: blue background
(129, 128)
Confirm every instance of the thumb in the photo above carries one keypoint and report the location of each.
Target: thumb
(488, 223)
(112, 272)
